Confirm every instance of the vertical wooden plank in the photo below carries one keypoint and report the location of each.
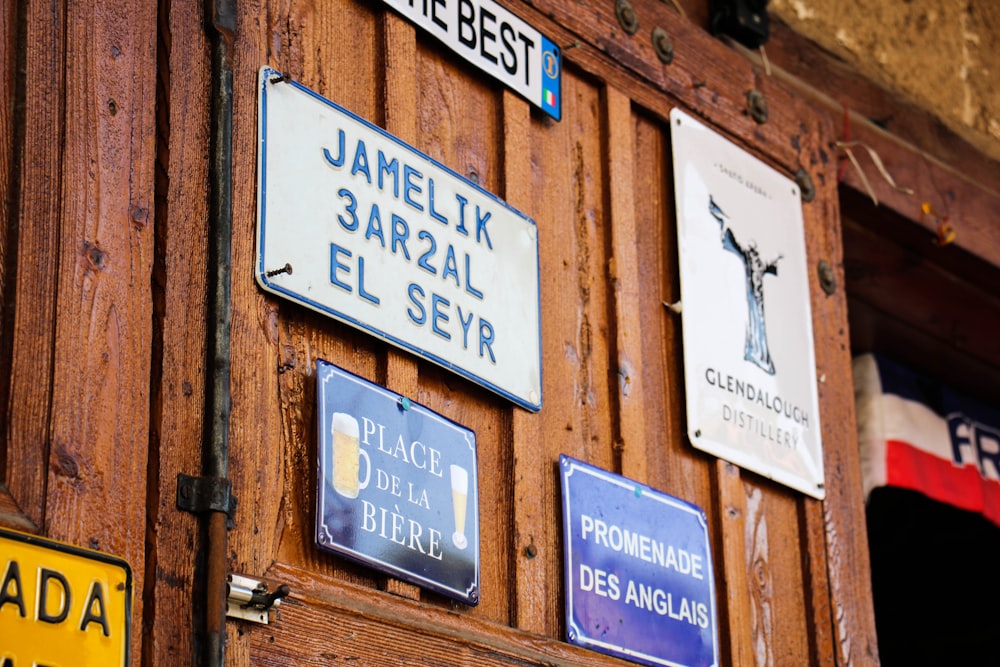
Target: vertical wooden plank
(816, 582)
(400, 90)
(735, 616)
(256, 458)
(99, 428)
(34, 285)
(623, 270)
(846, 581)
(535, 563)
(672, 464)
(10, 46)
(562, 187)
(301, 36)
(179, 290)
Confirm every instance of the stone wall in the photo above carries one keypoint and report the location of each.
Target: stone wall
(942, 54)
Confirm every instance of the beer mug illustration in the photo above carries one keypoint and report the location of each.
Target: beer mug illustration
(347, 455)
(459, 500)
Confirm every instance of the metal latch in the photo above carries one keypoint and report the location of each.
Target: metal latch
(249, 600)
(206, 494)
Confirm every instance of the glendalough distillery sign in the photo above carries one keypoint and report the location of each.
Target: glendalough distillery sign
(749, 363)
(359, 226)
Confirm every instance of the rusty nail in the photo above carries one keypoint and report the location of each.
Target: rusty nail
(531, 550)
(757, 106)
(140, 215)
(287, 268)
(806, 187)
(826, 278)
(663, 46)
(626, 16)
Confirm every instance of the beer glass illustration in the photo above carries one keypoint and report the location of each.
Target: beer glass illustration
(347, 455)
(459, 500)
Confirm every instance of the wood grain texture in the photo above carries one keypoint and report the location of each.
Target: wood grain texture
(34, 303)
(172, 590)
(736, 620)
(98, 424)
(673, 465)
(259, 352)
(846, 548)
(625, 286)
(338, 622)
(11, 132)
(534, 563)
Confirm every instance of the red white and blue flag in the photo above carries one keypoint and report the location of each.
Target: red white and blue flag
(918, 434)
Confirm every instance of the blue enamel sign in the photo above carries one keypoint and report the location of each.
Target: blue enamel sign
(398, 488)
(638, 574)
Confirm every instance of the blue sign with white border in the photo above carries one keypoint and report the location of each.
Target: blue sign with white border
(397, 485)
(639, 582)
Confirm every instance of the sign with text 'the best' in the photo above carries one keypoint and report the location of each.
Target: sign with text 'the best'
(495, 41)
(749, 363)
(398, 485)
(359, 226)
(638, 571)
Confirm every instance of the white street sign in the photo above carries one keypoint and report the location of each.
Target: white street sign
(360, 226)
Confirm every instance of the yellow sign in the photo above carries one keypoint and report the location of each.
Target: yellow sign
(61, 605)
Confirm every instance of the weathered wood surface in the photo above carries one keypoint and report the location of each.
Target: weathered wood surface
(174, 595)
(29, 338)
(78, 342)
(598, 185)
(122, 366)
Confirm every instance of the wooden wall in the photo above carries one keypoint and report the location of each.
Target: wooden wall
(105, 159)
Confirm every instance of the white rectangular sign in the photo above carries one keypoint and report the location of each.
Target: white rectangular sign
(497, 42)
(749, 363)
(356, 224)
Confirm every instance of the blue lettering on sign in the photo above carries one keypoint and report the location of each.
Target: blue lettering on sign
(391, 232)
(337, 267)
(439, 319)
(409, 187)
(389, 171)
(360, 165)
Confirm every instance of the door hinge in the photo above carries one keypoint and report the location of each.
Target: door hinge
(249, 600)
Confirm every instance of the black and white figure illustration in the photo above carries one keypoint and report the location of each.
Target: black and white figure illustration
(756, 351)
